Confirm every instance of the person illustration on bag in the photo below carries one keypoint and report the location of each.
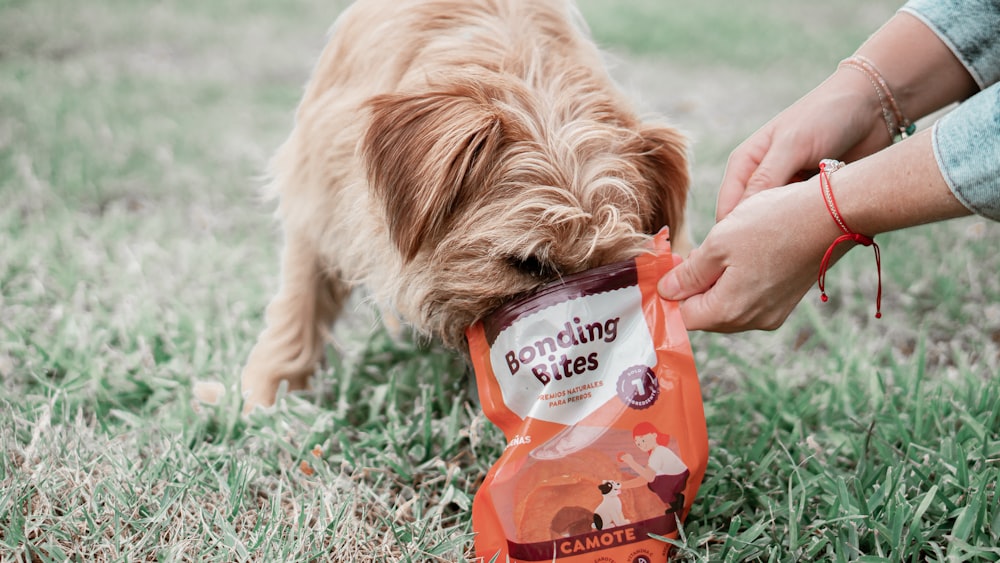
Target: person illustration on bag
(664, 473)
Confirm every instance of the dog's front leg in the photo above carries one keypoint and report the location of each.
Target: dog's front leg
(298, 321)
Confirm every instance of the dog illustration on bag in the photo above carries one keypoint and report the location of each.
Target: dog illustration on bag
(609, 513)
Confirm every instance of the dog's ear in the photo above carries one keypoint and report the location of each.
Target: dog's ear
(662, 160)
(605, 487)
(425, 154)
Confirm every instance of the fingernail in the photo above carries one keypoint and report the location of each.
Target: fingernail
(669, 286)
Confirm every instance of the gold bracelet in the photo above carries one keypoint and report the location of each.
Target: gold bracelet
(898, 125)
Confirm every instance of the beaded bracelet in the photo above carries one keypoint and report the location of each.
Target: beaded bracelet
(898, 125)
(826, 168)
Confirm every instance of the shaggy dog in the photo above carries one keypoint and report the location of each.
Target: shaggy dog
(449, 155)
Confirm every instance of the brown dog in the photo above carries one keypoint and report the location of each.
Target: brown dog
(447, 156)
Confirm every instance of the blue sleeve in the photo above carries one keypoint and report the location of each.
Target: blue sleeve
(967, 149)
(967, 140)
(971, 28)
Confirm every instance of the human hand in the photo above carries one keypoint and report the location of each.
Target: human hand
(756, 263)
(841, 118)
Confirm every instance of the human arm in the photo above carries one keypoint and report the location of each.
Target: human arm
(645, 474)
(842, 117)
(758, 262)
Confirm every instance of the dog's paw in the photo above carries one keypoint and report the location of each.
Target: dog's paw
(261, 393)
(208, 392)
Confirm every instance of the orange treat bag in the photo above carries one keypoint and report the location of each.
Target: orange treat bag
(593, 383)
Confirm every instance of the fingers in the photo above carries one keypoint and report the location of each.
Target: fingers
(699, 313)
(690, 277)
(695, 284)
(776, 169)
(741, 166)
(763, 162)
(737, 279)
(696, 291)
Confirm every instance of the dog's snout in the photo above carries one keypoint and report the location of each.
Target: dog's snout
(533, 266)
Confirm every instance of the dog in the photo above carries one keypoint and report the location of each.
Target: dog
(609, 514)
(448, 155)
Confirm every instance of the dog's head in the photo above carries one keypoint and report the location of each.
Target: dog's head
(608, 487)
(491, 189)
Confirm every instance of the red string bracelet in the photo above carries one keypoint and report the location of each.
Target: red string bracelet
(827, 167)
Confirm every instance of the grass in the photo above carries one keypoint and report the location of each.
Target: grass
(765, 34)
(135, 260)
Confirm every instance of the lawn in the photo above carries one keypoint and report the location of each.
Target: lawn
(136, 259)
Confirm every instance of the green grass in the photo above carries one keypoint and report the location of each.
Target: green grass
(136, 260)
(751, 35)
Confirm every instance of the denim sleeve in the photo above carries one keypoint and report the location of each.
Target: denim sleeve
(967, 140)
(971, 28)
(967, 149)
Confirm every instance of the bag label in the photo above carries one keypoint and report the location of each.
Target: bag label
(560, 363)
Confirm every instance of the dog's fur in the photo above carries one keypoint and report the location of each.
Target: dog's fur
(449, 155)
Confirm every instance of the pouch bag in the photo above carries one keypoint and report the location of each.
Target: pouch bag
(593, 383)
